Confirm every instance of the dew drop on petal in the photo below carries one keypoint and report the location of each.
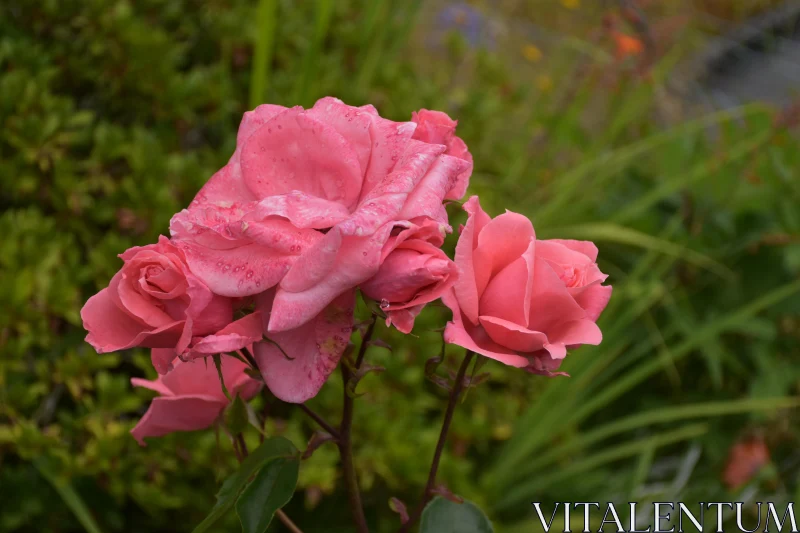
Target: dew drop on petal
(384, 304)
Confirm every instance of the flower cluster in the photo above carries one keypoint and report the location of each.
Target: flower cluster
(313, 205)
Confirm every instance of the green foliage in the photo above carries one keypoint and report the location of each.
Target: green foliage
(115, 112)
(237, 491)
(444, 516)
(271, 489)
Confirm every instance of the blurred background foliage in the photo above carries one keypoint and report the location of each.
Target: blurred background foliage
(608, 121)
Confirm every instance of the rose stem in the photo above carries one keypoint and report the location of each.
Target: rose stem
(455, 392)
(319, 420)
(241, 453)
(345, 442)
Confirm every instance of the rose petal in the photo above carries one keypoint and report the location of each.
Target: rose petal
(466, 289)
(403, 319)
(110, 329)
(301, 209)
(593, 299)
(200, 377)
(438, 128)
(315, 348)
(352, 123)
(505, 296)
(234, 336)
(386, 200)
(358, 259)
(162, 359)
(294, 151)
(391, 143)
(168, 414)
(426, 198)
(586, 248)
(513, 336)
(576, 332)
(551, 303)
(312, 266)
(501, 241)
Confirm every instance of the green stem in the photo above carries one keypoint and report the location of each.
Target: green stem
(455, 392)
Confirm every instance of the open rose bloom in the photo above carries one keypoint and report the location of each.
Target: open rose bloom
(314, 205)
(520, 300)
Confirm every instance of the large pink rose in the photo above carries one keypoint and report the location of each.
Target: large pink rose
(306, 205)
(414, 271)
(156, 302)
(521, 300)
(191, 397)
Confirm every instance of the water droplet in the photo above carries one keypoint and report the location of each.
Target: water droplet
(364, 254)
(258, 283)
(249, 274)
(384, 304)
(226, 268)
(219, 264)
(237, 269)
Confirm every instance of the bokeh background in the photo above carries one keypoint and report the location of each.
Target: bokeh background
(667, 132)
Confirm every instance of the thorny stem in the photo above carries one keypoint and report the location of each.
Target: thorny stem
(455, 392)
(345, 438)
(240, 448)
(319, 420)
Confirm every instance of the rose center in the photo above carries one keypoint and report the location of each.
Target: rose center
(570, 276)
(150, 272)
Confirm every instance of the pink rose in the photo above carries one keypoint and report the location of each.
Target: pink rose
(306, 205)
(437, 128)
(156, 302)
(191, 397)
(414, 271)
(521, 300)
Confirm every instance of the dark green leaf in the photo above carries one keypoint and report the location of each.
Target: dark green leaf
(444, 516)
(236, 416)
(271, 489)
(271, 450)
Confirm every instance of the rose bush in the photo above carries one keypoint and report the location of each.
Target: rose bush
(313, 206)
(520, 300)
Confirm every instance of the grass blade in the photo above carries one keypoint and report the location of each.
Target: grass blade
(520, 493)
(70, 497)
(266, 17)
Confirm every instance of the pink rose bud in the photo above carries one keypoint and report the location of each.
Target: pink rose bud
(191, 397)
(155, 301)
(415, 272)
(521, 300)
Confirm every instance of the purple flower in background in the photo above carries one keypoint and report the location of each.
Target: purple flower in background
(466, 20)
